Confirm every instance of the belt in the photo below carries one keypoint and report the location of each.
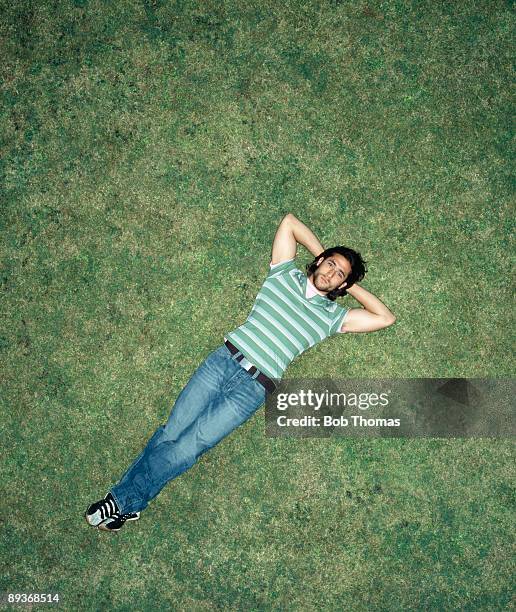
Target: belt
(265, 381)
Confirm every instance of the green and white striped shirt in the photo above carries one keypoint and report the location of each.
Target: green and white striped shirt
(283, 322)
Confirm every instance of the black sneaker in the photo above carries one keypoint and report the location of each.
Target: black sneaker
(116, 522)
(101, 510)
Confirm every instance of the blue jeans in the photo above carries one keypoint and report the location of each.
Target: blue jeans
(220, 396)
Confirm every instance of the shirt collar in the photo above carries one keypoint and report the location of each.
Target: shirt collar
(321, 300)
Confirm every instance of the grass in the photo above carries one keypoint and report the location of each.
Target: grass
(148, 152)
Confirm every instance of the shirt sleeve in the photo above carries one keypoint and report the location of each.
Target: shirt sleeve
(339, 319)
(280, 263)
(281, 267)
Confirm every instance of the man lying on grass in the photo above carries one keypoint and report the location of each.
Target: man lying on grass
(292, 313)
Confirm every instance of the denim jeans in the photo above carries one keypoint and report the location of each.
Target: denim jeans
(220, 396)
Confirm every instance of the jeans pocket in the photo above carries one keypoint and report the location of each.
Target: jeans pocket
(234, 380)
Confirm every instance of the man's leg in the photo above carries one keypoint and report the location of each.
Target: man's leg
(184, 412)
(219, 397)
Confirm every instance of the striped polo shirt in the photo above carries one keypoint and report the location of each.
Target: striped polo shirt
(284, 322)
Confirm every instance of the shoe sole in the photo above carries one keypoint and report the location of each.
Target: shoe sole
(102, 527)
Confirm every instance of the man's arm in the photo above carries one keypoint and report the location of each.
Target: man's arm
(372, 317)
(290, 232)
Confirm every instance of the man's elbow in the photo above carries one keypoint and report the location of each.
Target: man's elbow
(390, 320)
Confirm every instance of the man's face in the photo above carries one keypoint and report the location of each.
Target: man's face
(331, 273)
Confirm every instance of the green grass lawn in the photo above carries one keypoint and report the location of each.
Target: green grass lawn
(148, 152)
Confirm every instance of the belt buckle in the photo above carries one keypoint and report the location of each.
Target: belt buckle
(247, 365)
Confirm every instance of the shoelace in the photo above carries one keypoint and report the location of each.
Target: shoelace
(124, 517)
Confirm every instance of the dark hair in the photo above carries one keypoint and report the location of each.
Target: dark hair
(358, 268)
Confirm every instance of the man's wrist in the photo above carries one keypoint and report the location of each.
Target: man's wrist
(369, 301)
